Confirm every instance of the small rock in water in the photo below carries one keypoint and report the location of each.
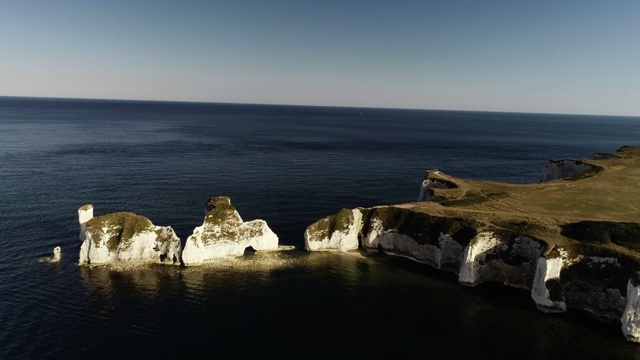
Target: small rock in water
(57, 253)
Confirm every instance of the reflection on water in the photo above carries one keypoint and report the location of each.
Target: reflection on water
(327, 305)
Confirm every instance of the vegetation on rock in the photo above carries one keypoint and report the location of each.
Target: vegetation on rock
(120, 228)
(220, 210)
(593, 171)
(422, 227)
(325, 227)
(222, 222)
(625, 234)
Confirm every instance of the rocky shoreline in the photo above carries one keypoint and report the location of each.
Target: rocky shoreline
(489, 232)
(572, 240)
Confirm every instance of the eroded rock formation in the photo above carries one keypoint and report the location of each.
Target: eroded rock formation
(580, 277)
(125, 237)
(224, 234)
(524, 235)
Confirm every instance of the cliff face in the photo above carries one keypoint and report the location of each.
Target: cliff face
(224, 234)
(525, 236)
(426, 193)
(572, 169)
(125, 237)
(450, 244)
(580, 277)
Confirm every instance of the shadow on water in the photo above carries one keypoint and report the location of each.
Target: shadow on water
(319, 305)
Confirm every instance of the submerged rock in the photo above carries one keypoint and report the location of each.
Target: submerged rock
(224, 234)
(125, 237)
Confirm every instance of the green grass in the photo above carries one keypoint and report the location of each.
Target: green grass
(220, 210)
(470, 198)
(521, 227)
(222, 216)
(121, 228)
(625, 234)
(593, 171)
(324, 228)
(423, 228)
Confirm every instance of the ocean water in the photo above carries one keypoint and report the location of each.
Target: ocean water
(288, 165)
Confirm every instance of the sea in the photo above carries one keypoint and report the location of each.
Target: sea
(290, 166)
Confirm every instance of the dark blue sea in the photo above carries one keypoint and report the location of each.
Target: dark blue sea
(288, 165)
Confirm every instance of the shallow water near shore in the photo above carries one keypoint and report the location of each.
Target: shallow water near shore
(289, 166)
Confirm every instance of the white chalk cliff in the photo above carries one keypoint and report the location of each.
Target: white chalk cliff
(557, 279)
(525, 236)
(374, 230)
(631, 315)
(125, 237)
(426, 192)
(548, 275)
(224, 234)
(559, 169)
(339, 234)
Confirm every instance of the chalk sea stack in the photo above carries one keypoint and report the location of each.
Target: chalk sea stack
(223, 234)
(125, 237)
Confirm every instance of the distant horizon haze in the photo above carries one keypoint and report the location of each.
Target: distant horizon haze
(302, 105)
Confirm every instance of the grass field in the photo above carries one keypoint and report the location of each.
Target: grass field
(600, 206)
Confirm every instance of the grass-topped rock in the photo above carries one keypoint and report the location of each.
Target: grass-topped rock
(220, 211)
(421, 227)
(224, 234)
(125, 237)
(338, 232)
(325, 227)
(118, 229)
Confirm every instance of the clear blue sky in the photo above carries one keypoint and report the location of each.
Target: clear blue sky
(531, 56)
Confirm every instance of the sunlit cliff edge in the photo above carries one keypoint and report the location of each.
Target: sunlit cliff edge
(572, 240)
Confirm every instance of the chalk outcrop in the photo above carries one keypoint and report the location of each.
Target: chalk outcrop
(547, 289)
(492, 256)
(580, 277)
(57, 254)
(430, 183)
(631, 315)
(522, 235)
(125, 237)
(339, 233)
(395, 231)
(567, 168)
(223, 234)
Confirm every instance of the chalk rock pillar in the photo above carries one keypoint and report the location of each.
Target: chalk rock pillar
(474, 255)
(631, 316)
(548, 277)
(85, 213)
(57, 254)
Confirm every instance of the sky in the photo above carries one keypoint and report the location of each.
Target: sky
(560, 56)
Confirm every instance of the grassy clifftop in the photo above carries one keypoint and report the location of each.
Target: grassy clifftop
(601, 206)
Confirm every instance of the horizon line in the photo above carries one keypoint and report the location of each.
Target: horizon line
(303, 105)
